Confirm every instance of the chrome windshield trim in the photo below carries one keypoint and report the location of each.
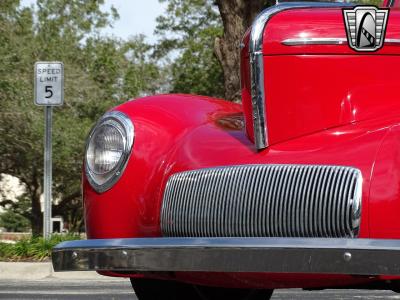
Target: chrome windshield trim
(314, 41)
(258, 93)
(272, 255)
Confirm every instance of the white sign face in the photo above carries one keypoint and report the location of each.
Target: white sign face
(49, 83)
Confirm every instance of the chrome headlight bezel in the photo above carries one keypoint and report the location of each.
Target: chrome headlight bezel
(124, 125)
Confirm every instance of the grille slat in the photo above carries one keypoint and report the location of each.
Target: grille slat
(297, 208)
(263, 201)
(344, 205)
(308, 201)
(260, 207)
(338, 204)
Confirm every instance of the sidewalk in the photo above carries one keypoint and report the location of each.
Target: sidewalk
(42, 270)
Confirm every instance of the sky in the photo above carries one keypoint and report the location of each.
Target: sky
(136, 17)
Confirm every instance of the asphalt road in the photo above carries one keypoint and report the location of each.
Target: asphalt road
(121, 289)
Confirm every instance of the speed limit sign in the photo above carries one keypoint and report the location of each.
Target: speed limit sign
(49, 92)
(49, 83)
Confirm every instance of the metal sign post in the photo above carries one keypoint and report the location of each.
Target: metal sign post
(47, 180)
(49, 92)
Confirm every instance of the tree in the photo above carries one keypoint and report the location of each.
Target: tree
(207, 34)
(187, 32)
(142, 74)
(13, 222)
(99, 72)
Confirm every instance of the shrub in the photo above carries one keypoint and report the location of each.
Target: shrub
(14, 222)
(32, 249)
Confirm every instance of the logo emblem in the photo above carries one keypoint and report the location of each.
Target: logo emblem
(365, 27)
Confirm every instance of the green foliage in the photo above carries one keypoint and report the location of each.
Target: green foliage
(142, 72)
(99, 73)
(196, 70)
(187, 32)
(14, 222)
(32, 249)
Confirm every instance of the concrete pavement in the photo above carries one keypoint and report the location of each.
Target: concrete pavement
(41, 270)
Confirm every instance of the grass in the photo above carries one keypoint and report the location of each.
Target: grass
(32, 249)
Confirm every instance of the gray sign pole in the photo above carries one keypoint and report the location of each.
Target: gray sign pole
(49, 92)
(47, 172)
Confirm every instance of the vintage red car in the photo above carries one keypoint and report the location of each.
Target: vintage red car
(200, 198)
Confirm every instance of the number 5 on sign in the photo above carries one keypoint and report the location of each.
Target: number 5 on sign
(49, 83)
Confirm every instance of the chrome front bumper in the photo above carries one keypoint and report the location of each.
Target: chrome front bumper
(272, 255)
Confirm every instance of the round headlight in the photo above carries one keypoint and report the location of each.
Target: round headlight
(107, 150)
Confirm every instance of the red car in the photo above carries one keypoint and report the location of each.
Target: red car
(200, 198)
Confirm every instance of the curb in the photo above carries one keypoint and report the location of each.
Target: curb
(43, 270)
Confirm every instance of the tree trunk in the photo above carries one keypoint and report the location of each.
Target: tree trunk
(36, 213)
(37, 216)
(237, 16)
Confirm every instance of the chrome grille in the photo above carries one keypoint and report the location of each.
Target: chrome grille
(263, 201)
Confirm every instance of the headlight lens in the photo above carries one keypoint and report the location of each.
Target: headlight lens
(107, 151)
(105, 148)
